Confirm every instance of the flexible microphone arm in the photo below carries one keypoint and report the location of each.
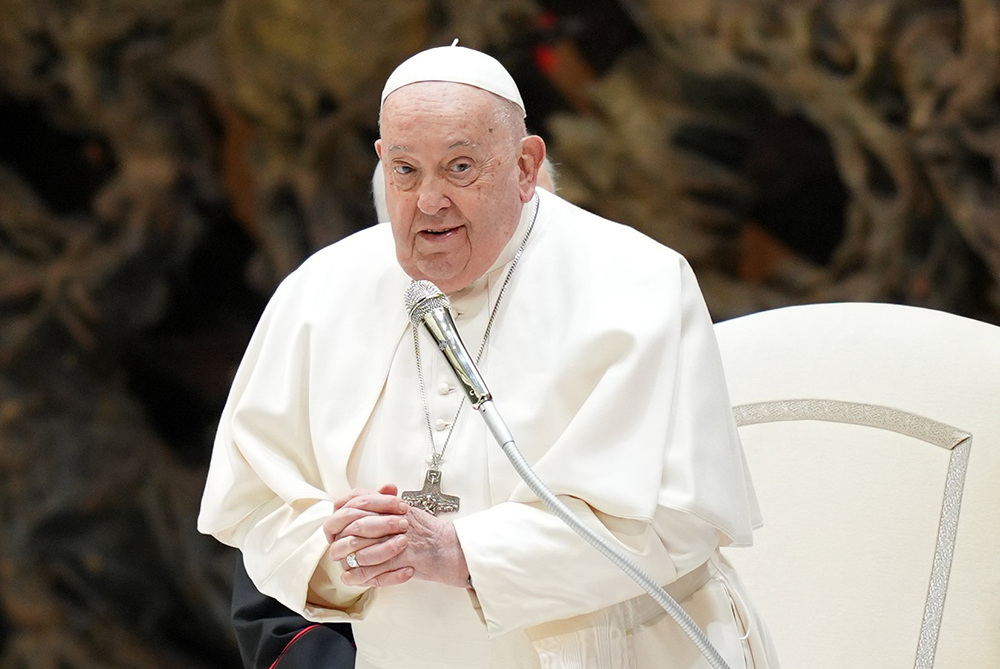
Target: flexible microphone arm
(428, 306)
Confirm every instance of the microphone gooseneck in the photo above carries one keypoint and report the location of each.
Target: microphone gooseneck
(428, 306)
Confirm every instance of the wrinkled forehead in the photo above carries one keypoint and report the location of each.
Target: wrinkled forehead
(438, 96)
(443, 108)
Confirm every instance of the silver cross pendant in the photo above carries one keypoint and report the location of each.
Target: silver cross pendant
(430, 498)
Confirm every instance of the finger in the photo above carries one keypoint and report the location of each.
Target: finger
(378, 503)
(354, 493)
(373, 527)
(361, 575)
(379, 552)
(336, 523)
(387, 489)
(394, 577)
(343, 545)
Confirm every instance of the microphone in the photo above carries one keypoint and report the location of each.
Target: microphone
(428, 306)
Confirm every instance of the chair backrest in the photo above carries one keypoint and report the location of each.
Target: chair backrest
(873, 435)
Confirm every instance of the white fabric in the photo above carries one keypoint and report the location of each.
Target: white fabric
(459, 65)
(604, 364)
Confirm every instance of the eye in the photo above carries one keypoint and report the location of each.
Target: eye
(403, 170)
(460, 167)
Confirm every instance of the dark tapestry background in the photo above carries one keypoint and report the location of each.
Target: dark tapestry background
(164, 165)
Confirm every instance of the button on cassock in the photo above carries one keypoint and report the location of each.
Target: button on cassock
(444, 388)
(442, 424)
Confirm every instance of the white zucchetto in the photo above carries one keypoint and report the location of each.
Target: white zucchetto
(459, 65)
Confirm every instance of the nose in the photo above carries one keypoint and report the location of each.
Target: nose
(432, 199)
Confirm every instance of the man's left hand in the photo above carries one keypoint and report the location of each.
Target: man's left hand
(432, 551)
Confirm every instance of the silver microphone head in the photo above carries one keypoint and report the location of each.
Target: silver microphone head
(421, 297)
(428, 308)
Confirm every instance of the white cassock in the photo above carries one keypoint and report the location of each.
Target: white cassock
(602, 360)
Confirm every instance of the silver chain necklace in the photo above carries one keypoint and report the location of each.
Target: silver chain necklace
(430, 498)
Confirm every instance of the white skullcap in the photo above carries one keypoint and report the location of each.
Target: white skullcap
(459, 65)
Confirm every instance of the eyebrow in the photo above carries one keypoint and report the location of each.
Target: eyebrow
(400, 148)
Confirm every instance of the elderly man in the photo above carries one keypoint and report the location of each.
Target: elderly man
(267, 631)
(600, 352)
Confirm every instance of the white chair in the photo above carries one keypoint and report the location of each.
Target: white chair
(873, 435)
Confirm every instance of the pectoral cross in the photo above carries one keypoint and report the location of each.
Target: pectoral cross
(430, 498)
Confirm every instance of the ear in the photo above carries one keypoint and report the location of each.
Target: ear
(529, 161)
(378, 148)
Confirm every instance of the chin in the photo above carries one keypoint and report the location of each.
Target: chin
(449, 285)
(447, 281)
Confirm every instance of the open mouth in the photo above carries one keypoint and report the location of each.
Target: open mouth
(438, 234)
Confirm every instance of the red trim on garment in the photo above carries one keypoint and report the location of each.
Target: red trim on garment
(289, 644)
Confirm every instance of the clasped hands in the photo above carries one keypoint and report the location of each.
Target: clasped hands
(393, 541)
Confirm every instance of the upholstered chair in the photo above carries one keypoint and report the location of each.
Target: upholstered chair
(873, 435)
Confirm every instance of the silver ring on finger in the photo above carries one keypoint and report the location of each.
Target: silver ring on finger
(352, 560)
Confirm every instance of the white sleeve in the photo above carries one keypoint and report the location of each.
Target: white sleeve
(528, 567)
(264, 494)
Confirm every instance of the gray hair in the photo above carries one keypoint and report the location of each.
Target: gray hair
(378, 193)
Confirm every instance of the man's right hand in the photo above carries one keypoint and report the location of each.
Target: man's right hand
(374, 533)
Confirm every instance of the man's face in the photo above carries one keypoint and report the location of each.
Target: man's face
(455, 181)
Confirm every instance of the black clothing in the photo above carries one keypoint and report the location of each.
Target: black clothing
(271, 636)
